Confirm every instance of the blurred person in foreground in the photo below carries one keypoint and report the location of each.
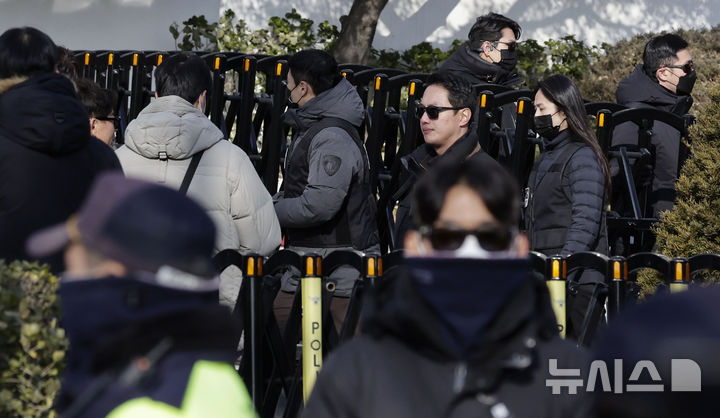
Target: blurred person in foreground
(462, 329)
(147, 336)
(671, 342)
(48, 160)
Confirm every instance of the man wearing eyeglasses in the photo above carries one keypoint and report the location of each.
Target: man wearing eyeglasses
(445, 114)
(100, 104)
(490, 54)
(663, 81)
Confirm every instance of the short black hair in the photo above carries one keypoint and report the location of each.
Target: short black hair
(25, 52)
(183, 74)
(661, 51)
(495, 186)
(460, 91)
(315, 67)
(489, 28)
(66, 64)
(98, 101)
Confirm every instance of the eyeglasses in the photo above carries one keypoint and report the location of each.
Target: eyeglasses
(492, 237)
(688, 67)
(433, 112)
(113, 119)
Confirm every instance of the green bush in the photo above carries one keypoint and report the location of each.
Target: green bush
(32, 345)
(693, 226)
(285, 35)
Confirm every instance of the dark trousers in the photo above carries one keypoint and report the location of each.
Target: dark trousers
(577, 307)
(284, 301)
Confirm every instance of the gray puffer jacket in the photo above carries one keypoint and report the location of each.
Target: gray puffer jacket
(159, 145)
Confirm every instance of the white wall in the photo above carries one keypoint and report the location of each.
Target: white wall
(143, 24)
(105, 24)
(407, 22)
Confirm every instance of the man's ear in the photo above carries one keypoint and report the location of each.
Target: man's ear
(522, 245)
(412, 242)
(201, 101)
(465, 117)
(93, 121)
(661, 74)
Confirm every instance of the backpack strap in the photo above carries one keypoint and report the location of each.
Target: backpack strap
(190, 172)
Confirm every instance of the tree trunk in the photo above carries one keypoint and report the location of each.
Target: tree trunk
(358, 31)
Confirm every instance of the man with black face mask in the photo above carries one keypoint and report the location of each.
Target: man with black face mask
(664, 81)
(490, 55)
(462, 329)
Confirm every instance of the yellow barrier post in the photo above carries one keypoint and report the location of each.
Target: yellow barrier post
(557, 285)
(681, 275)
(311, 288)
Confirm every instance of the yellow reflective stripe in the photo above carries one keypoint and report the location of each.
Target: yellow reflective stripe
(213, 390)
(216, 390)
(144, 407)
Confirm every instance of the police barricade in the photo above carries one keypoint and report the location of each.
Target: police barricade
(495, 122)
(524, 144)
(633, 218)
(401, 136)
(365, 83)
(271, 106)
(271, 361)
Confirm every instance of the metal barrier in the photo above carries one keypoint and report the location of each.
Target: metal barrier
(273, 363)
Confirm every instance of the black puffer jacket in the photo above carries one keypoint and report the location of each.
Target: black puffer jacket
(405, 366)
(47, 159)
(425, 157)
(468, 65)
(639, 90)
(564, 207)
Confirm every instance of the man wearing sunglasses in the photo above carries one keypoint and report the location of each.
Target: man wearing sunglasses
(490, 54)
(663, 81)
(462, 329)
(445, 114)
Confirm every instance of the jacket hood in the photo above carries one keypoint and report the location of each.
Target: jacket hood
(43, 113)
(171, 126)
(467, 64)
(639, 87)
(341, 101)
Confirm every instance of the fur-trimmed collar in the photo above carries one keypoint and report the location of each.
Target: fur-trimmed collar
(7, 83)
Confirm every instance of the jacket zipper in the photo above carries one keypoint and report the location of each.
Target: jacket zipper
(460, 376)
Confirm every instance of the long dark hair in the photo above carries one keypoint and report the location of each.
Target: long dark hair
(566, 96)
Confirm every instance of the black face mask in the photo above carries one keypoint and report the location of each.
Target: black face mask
(545, 128)
(508, 60)
(685, 83)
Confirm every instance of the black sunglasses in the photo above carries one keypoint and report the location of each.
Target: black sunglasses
(113, 119)
(688, 67)
(433, 112)
(492, 237)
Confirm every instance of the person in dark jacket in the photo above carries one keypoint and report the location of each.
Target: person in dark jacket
(327, 202)
(568, 186)
(664, 81)
(445, 113)
(147, 336)
(490, 54)
(47, 157)
(462, 329)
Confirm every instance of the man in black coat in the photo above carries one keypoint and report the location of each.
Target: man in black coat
(461, 329)
(445, 113)
(47, 157)
(664, 81)
(490, 55)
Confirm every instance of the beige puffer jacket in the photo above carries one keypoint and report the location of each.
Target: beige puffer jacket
(159, 145)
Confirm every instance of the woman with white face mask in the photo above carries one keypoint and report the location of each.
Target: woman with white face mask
(567, 188)
(462, 329)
